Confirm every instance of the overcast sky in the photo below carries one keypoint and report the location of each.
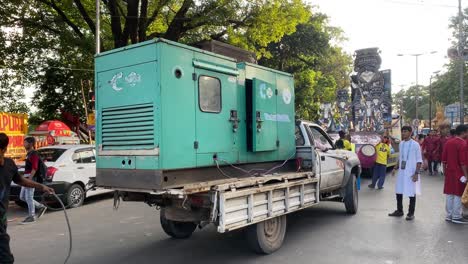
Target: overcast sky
(396, 27)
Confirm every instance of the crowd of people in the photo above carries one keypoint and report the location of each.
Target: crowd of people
(432, 147)
(444, 150)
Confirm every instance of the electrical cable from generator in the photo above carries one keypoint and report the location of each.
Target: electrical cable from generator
(68, 225)
(64, 208)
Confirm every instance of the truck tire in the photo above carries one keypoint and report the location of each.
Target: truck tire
(351, 200)
(266, 237)
(175, 229)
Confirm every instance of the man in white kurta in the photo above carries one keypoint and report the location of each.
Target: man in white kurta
(408, 177)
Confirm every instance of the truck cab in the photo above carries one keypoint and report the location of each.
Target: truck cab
(335, 167)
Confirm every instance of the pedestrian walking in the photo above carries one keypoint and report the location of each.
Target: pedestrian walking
(454, 161)
(420, 141)
(444, 130)
(408, 176)
(31, 171)
(430, 148)
(380, 167)
(8, 173)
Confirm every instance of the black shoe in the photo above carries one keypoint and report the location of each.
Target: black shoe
(380, 188)
(460, 221)
(28, 220)
(396, 213)
(409, 217)
(371, 186)
(41, 211)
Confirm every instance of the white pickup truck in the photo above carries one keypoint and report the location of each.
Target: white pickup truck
(260, 203)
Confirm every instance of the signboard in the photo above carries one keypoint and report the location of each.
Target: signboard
(91, 121)
(15, 126)
(452, 111)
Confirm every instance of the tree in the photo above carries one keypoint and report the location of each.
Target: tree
(446, 86)
(319, 67)
(404, 102)
(10, 95)
(50, 43)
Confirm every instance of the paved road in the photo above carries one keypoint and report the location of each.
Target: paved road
(323, 234)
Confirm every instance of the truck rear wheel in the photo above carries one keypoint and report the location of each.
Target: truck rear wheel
(175, 229)
(351, 195)
(266, 237)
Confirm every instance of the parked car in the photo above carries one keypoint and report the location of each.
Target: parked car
(69, 170)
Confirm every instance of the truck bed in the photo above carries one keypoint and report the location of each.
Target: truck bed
(239, 207)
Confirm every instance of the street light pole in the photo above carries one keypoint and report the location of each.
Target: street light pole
(417, 85)
(416, 55)
(98, 25)
(430, 100)
(461, 62)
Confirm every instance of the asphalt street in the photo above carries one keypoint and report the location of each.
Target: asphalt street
(322, 234)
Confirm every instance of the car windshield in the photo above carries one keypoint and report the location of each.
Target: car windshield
(50, 154)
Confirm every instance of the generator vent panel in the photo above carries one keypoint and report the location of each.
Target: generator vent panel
(128, 127)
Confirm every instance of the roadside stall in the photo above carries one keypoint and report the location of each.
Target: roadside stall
(54, 132)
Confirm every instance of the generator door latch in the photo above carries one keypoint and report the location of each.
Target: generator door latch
(259, 121)
(235, 120)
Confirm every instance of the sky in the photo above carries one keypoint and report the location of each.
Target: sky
(397, 27)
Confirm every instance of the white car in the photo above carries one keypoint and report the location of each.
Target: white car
(69, 170)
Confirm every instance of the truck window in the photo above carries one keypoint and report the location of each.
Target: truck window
(320, 141)
(209, 94)
(299, 137)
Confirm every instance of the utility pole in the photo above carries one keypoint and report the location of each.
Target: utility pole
(430, 103)
(417, 87)
(98, 22)
(430, 99)
(461, 60)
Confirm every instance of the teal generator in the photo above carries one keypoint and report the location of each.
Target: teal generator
(169, 115)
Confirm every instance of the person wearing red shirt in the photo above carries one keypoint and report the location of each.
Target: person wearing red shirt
(430, 148)
(31, 171)
(444, 137)
(454, 161)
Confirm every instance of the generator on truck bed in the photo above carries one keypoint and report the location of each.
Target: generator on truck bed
(210, 140)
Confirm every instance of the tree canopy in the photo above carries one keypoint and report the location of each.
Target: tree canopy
(319, 67)
(445, 86)
(49, 44)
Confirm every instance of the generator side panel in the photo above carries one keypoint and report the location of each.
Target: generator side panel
(269, 106)
(128, 117)
(285, 116)
(177, 107)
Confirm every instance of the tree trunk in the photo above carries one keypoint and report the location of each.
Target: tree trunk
(176, 28)
(115, 22)
(142, 23)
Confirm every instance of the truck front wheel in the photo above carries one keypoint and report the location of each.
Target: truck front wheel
(351, 195)
(175, 229)
(266, 237)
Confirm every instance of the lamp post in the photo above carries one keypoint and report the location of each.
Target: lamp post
(461, 45)
(430, 99)
(416, 55)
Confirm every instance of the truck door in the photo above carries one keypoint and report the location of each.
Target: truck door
(331, 165)
(216, 116)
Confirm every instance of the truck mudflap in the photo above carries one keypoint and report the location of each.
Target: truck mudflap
(240, 207)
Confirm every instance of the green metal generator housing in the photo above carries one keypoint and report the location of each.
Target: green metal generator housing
(168, 114)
